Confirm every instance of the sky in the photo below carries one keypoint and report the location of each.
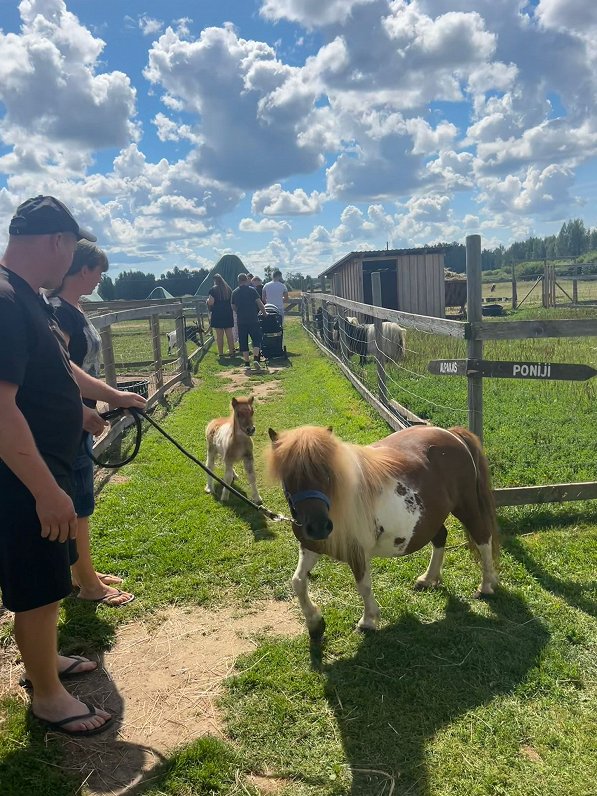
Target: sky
(291, 132)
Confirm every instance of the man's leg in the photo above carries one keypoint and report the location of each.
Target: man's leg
(35, 634)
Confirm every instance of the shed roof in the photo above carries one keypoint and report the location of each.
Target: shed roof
(93, 296)
(379, 254)
(160, 292)
(228, 267)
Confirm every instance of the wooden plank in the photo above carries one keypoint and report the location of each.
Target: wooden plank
(101, 321)
(545, 371)
(533, 330)
(423, 323)
(549, 493)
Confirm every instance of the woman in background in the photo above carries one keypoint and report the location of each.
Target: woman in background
(84, 345)
(222, 319)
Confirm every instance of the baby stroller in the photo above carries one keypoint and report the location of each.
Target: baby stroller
(272, 333)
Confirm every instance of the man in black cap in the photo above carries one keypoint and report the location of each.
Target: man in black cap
(41, 421)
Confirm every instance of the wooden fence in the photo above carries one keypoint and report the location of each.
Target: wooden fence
(475, 331)
(160, 374)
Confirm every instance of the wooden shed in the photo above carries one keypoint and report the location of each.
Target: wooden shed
(412, 280)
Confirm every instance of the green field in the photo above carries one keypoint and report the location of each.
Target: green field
(452, 697)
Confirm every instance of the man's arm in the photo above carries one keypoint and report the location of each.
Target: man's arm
(264, 294)
(261, 306)
(285, 295)
(19, 452)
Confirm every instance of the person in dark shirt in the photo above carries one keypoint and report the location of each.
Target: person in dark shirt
(222, 319)
(41, 422)
(84, 347)
(248, 306)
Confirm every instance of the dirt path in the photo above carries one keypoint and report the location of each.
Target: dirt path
(162, 679)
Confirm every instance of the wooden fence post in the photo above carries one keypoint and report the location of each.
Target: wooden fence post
(182, 351)
(108, 355)
(474, 347)
(306, 311)
(156, 343)
(575, 285)
(514, 288)
(380, 359)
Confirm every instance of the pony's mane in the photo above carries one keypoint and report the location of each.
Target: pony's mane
(316, 455)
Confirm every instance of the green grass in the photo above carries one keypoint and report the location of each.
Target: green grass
(451, 697)
(534, 431)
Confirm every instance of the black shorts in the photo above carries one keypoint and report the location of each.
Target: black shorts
(33, 571)
(249, 329)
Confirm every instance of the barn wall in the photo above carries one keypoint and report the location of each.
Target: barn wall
(421, 284)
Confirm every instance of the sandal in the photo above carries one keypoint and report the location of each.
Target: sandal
(107, 597)
(59, 726)
(69, 672)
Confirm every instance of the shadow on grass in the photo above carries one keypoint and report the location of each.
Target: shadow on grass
(577, 595)
(408, 681)
(253, 518)
(45, 763)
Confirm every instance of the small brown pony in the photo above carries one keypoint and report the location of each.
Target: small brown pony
(354, 502)
(230, 439)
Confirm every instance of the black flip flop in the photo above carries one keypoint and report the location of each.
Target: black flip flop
(69, 672)
(59, 726)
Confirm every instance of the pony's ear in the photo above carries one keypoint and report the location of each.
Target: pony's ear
(234, 403)
(251, 399)
(272, 435)
(330, 429)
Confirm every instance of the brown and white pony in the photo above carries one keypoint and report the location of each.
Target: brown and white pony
(229, 438)
(354, 502)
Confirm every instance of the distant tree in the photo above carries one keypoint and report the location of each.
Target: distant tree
(134, 285)
(267, 273)
(106, 288)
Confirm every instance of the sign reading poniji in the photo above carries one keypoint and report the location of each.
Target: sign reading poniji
(511, 370)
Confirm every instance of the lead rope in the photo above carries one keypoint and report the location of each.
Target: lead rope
(137, 414)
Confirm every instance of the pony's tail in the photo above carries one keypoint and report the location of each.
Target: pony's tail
(484, 489)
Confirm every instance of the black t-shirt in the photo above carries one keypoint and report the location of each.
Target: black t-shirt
(33, 356)
(84, 341)
(244, 299)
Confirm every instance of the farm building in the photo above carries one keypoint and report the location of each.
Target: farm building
(412, 280)
(228, 267)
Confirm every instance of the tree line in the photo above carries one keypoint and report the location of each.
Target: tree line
(573, 240)
(136, 286)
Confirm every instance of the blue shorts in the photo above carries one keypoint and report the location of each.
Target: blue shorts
(83, 497)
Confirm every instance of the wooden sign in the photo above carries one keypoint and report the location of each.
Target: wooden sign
(511, 370)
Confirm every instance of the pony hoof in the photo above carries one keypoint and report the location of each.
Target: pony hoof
(316, 633)
(422, 585)
(258, 501)
(208, 490)
(483, 595)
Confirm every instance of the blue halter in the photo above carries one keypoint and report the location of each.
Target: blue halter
(308, 494)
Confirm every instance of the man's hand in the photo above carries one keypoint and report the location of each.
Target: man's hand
(128, 400)
(56, 514)
(92, 422)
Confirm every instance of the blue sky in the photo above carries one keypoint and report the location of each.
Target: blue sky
(291, 132)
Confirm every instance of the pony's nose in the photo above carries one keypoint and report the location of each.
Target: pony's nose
(319, 530)
(251, 430)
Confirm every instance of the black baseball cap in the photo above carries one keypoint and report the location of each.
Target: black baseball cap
(45, 215)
